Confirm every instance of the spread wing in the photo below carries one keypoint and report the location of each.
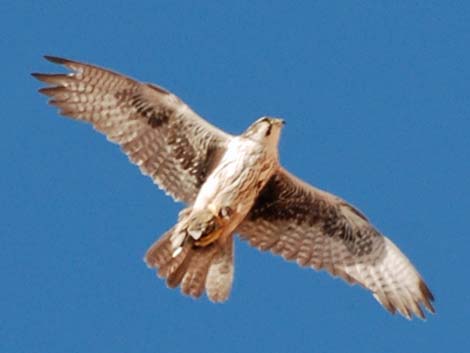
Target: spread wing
(317, 229)
(160, 133)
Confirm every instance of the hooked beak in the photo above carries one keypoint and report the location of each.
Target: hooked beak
(281, 121)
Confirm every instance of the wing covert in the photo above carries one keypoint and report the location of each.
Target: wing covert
(322, 231)
(159, 133)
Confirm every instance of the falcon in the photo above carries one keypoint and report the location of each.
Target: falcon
(231, 185)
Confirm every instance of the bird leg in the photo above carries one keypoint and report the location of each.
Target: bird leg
(209, 238)
(203, 226)
(207, 227)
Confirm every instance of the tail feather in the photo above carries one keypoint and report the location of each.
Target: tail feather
(220, 277)
(174, 263)
(195, 268)
(194, 280)
(160, 251)
(174, 278)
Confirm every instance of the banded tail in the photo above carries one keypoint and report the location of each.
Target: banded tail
(197, 269)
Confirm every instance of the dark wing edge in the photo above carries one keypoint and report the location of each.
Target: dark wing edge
(159, 132)
(299, 222)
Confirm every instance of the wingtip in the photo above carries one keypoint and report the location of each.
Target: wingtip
(41, 77)
(56, 59)
(36, 75)
(428, 297)
(426, 291)
(413, 308)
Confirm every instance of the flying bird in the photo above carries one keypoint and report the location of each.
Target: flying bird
(231, 185)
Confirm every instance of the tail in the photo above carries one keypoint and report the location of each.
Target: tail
(196, 268)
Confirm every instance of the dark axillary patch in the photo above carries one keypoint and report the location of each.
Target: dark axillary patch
(176, 135)
(155, 117)
(358, 241)
(198, 163)
(280, 200)
(204, 168)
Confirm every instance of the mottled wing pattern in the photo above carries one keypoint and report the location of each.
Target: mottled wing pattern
(320, 230)
(160, 133)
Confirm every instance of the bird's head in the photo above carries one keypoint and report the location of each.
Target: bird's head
(266, 130)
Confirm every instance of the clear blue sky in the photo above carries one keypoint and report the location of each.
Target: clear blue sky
(376, 98)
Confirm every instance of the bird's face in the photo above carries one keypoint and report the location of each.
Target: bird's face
(266, 130)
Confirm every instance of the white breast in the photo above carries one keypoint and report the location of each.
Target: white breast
(235, 181)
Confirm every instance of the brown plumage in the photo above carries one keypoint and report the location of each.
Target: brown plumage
(191, 267)
(231, 184)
